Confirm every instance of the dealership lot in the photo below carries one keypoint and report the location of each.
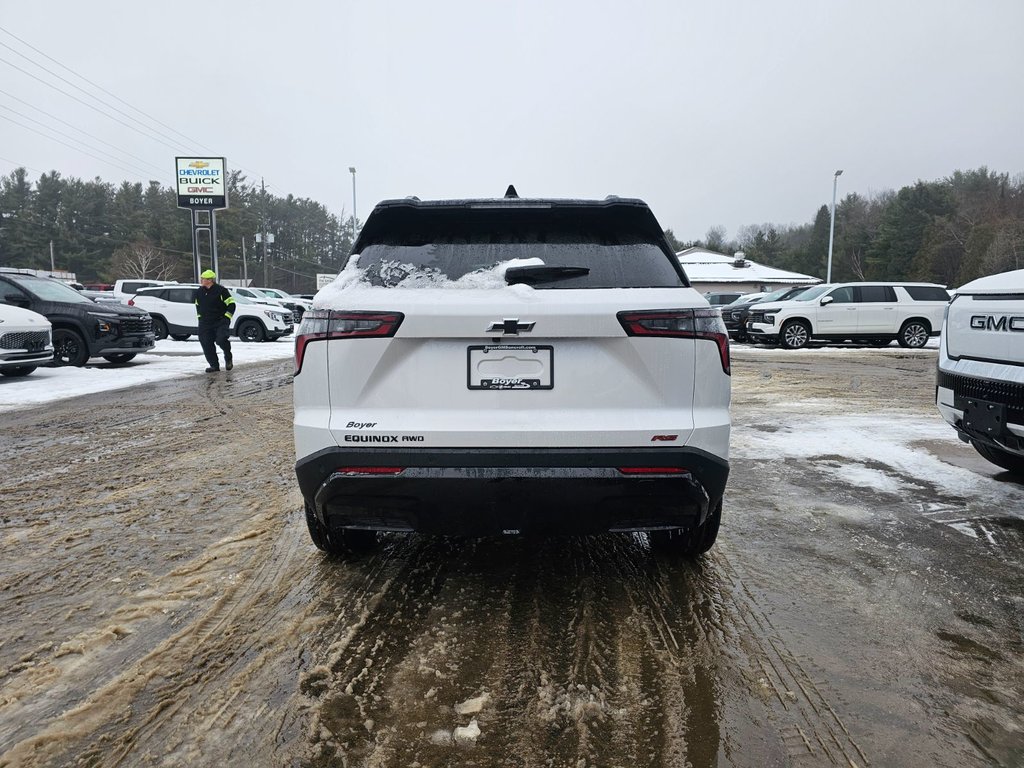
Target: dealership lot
(862, 606)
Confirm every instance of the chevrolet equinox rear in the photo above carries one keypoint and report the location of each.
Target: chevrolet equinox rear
(512, 365)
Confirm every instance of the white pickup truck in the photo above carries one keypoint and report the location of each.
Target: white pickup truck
(980, 381)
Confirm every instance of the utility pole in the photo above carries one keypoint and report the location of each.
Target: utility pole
(263, 224)
(832, 226)
(52, 267)
(245, 271)
(355, 216)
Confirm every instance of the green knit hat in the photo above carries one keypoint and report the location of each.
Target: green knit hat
(209, 274)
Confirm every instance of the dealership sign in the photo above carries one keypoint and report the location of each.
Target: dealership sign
(202, 182)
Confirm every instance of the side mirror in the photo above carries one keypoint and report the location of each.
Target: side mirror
(826, 300)
(17, 301)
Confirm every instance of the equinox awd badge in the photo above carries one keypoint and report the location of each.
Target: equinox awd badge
(510, 327)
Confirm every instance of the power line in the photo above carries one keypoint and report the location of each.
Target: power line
(112, 95)
(73, 127)
(79, 88)
(20, 165)
(99, 87)
(68, 136)
(90, 106)
(77, 149)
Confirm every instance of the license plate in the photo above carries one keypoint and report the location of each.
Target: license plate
(983, 418)
(511, 366)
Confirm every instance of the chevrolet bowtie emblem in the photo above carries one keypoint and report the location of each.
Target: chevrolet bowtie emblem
(510, 327)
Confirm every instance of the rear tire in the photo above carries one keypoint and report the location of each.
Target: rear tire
(1008, 461)
(914, 334)
(795, 335)
(17, 370)
(693, 542)
(339, 542)
(181, 336)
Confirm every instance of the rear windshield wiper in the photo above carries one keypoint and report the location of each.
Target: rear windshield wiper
(542, 273)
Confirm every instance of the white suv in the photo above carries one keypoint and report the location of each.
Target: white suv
(980, 386)
(876, 313)
(173, 310)
(486, 366)
(26, 341)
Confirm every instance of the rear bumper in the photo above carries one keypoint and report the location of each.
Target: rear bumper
(479, 492)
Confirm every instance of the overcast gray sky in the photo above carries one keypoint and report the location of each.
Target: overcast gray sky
(715, 113)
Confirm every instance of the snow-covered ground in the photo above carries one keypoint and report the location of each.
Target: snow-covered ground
(167, 360)
(825, 348)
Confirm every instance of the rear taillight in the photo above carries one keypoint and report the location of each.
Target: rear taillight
(324, 324)
(680, 324)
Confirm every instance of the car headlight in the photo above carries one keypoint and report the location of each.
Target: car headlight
(104, 322)
(277, 317)
(769, 319)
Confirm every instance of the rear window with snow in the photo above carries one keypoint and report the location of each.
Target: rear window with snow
(426, 249)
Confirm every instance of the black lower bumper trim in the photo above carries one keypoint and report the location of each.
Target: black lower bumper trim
(476, 492)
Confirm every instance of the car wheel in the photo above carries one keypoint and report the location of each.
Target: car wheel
(795, 334)
(17, 370)
(690, 542)
(69, 348)
(1008, 461)
(120, 357)
(914, 334)
(159, 328)
(250, 330)
(180, 336)
(339, 542)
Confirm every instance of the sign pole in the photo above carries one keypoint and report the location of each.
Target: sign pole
(197, 266)
(213, 242)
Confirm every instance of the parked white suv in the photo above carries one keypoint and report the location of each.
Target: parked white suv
(173, 310)
(875, 313)
(26, 341)
(980, 382)
(485, 366)
(124, 289)
(296, 304)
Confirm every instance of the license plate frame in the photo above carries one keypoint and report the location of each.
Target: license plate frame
(984, 418)
(512, 380)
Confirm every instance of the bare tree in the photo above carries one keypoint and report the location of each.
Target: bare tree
(141, 259)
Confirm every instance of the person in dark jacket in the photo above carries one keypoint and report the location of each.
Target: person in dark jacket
(214, 308)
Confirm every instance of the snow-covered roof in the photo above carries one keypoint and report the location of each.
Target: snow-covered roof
(704, 266)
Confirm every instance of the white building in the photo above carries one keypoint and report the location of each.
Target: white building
(711, 271)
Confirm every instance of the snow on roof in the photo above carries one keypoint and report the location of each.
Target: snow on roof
(704, 266)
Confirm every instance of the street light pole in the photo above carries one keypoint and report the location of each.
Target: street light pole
(832, 226)
(355, 219)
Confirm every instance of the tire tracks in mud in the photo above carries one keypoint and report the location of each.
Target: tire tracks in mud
(563, 652)
(163, 655)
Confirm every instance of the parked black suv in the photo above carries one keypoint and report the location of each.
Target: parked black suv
(81, 327)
